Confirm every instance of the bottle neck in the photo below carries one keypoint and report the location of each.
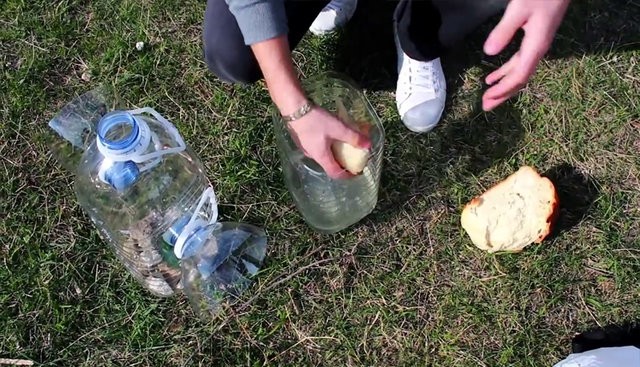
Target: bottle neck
(119, 132)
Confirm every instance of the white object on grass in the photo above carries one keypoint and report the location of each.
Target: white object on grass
(603, 357)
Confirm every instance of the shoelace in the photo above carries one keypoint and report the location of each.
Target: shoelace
(423, 75)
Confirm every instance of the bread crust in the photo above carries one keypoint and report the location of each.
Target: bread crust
(550, 219)
(554, 212)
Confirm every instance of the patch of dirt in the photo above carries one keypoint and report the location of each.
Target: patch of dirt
(607, 287)
(627, 139)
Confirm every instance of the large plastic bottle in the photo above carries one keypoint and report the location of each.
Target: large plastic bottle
(330, 205)
(146, 192)
(136, 181)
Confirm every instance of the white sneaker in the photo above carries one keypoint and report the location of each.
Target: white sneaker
(335, 14)
(421, 92)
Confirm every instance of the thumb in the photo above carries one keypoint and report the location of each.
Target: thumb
(350, 136)
(502, 34)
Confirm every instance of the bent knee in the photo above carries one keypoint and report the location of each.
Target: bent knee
(232, 64)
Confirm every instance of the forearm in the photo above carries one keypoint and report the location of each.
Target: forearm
(275, 61)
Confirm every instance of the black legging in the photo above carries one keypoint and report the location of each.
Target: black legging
(417, 24)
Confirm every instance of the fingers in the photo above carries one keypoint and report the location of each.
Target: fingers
(517, 71)
(343, 133)
(508, 86)
(513, 18)
(491, 102)
(515, 79)
(534, 45)
(502, 71)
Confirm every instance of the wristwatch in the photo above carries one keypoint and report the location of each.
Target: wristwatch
(299, 113)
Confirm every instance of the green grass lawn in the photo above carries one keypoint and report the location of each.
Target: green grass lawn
(403, 287)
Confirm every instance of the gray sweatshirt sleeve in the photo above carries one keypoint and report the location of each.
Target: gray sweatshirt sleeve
(259, 20)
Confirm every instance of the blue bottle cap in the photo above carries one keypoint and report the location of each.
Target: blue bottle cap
(190, 238)
(171, 236)
(122, 175)
(118, 132)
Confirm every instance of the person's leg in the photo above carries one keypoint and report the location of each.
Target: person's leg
(336, 14)
(225, 52)
(421, 87)
(461, 17)
(424, 29)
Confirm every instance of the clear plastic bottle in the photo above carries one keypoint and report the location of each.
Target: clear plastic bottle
(218, 262)
(330, 205)
(218, 259)
(135, 181)
(146, 192)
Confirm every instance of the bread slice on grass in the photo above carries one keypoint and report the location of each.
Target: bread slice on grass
(513, 214)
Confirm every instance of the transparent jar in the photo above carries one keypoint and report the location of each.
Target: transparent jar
(330, 205)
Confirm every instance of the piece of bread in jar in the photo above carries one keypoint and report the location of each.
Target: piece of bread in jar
(349, 157)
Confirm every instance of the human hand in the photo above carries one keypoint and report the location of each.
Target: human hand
(317, 130)
(540, 20)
